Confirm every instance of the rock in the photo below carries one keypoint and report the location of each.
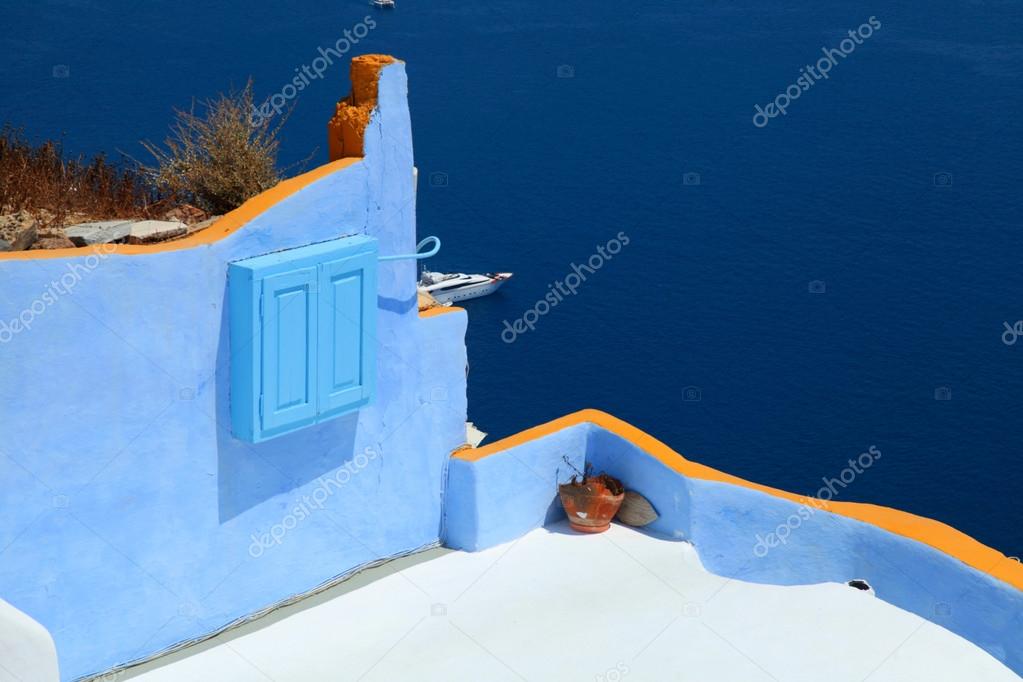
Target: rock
(54, 243)
(636, 510)
(195, 227)
(18, 231)
(148, 231)
(25, 238)
(5, 245)
(100, 232)
(186, 213)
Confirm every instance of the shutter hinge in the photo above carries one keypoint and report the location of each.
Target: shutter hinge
(261, 406)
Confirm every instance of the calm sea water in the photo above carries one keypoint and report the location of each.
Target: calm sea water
(895, 183)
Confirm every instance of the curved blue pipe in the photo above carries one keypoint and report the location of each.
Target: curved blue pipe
(417, 255)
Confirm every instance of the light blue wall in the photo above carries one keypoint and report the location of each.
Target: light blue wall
(506, 494)
(499, 498)
(128, 510)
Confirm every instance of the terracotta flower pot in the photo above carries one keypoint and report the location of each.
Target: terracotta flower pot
(590, 506)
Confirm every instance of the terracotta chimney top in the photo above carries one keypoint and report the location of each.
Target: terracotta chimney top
(351, 116)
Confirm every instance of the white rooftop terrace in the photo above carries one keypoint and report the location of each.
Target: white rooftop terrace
(557, 605)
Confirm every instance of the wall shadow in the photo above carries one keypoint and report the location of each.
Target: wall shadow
(249, 474)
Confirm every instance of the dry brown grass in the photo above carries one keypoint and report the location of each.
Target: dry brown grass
(214, 158)
(218, 157)
(38, 179)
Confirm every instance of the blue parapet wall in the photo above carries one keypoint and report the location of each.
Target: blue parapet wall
(131, 520)
(508, 492)
(498, 499)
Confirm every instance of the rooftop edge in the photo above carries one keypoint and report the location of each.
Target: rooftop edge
(935, 534)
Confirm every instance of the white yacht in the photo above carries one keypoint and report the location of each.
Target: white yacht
(449, 288)
(384, 3)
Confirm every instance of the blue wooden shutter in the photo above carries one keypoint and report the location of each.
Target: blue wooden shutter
(289, 311)
(303, 336)
(347, 332)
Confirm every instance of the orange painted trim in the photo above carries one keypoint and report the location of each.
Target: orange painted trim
(440, 310)
(346, 130)
(928, 531)
(227, 225)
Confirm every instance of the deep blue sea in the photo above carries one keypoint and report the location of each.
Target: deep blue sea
(790, 295)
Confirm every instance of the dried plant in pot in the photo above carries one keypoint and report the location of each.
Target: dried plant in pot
(590, 501)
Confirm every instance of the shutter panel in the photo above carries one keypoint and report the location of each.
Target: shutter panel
(347, 332)
(289, 314)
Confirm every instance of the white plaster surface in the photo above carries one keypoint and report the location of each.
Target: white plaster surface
(621, 606)
(27, 653)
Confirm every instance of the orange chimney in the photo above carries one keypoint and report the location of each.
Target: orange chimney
(346, 129)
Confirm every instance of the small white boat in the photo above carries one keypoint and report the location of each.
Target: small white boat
(448, 288)
(384, 3)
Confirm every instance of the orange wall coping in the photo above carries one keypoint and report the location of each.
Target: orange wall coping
(928, 531)
(227, 225)
(440, 310)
